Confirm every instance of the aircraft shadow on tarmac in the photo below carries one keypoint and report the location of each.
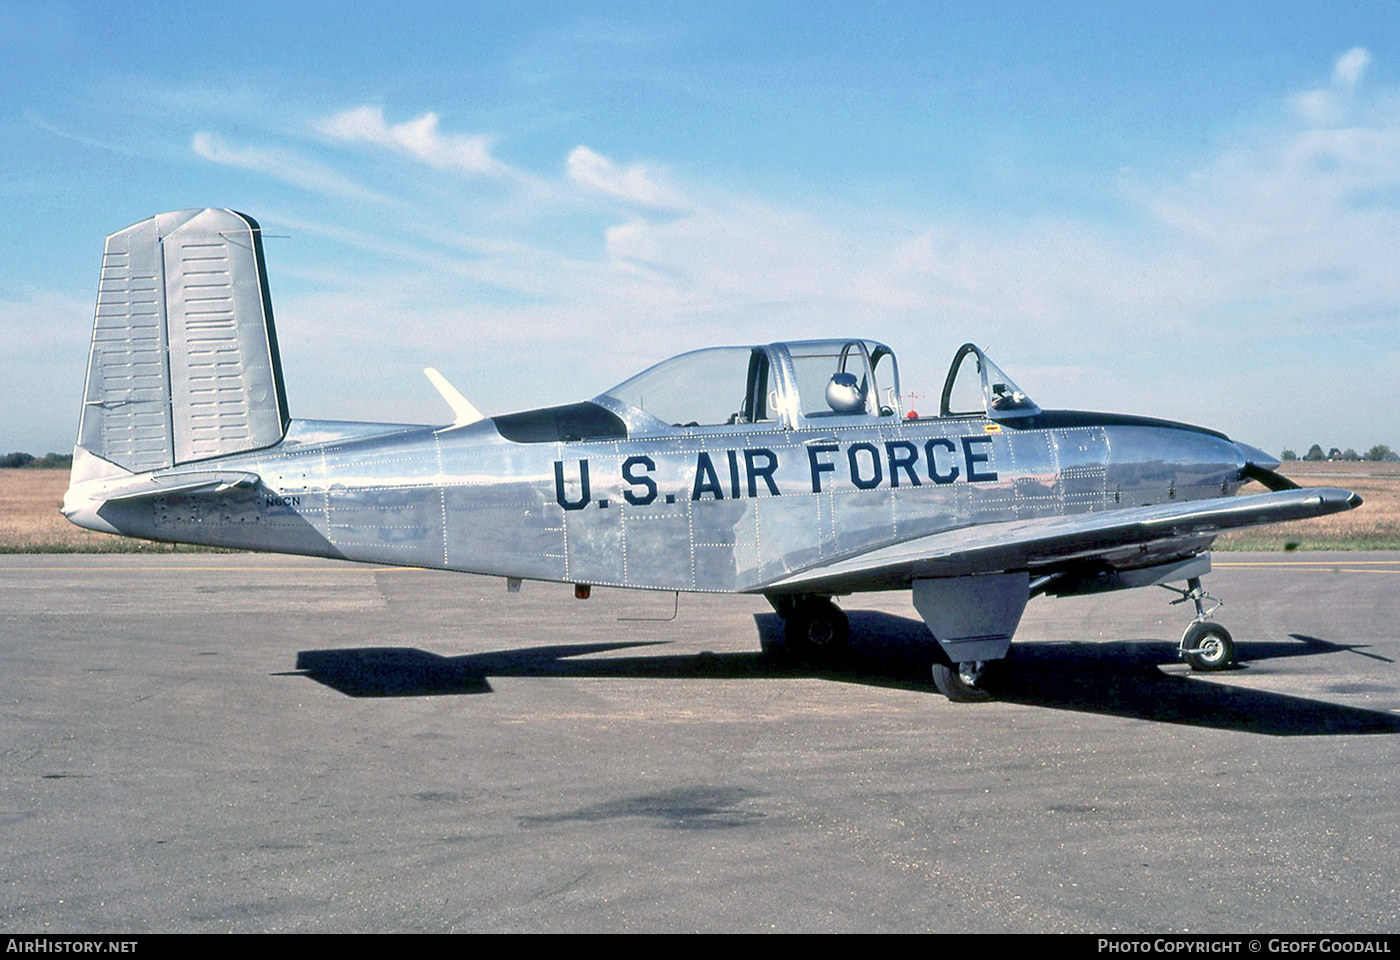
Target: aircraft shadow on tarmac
(1112, 678)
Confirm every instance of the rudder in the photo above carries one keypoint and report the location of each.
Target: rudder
(184, 363)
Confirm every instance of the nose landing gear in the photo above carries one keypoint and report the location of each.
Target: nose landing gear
(1205, 645)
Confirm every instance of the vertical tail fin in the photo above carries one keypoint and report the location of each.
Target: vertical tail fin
(184, 362)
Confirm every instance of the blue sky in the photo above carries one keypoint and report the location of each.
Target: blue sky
(1183, 210)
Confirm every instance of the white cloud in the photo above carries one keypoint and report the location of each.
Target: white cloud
(635, 184)
(1347, 70)
(1282, 247)
(1309, 214)
(1329, 104)
(283, 165)
(419, 138)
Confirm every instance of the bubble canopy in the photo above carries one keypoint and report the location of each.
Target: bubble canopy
(779, 384)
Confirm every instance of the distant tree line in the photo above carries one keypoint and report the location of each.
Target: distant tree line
(1379, 452)
(13, 461)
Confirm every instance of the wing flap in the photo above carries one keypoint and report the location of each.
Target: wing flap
(1038, 543)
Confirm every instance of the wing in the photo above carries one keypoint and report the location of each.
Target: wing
(1041, 545)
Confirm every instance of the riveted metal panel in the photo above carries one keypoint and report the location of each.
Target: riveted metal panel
(126, 415)
(221, 353)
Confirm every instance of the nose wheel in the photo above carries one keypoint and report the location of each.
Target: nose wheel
(1205, 645)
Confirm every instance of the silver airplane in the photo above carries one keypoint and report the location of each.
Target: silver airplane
(790, 470)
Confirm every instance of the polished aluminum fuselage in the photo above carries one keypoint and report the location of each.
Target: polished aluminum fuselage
(724, 508)
(788, 469)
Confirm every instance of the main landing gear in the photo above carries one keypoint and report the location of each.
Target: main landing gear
(959, 682)
(814, 628)
(1205, 645)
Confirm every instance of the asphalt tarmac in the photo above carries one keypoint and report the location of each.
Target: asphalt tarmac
(239, 743)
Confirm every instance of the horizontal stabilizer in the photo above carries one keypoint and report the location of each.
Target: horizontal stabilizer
(187, 483)
(97, 483)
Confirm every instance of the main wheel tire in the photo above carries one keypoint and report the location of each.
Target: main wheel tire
(950, 683)
(1209, 646)
(816, 628)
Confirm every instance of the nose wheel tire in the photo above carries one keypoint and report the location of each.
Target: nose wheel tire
(1208, 646)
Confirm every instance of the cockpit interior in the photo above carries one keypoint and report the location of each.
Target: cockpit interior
(800, 384)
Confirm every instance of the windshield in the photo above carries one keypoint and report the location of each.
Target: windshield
(698, 389)
(780, 383)
(977, 387)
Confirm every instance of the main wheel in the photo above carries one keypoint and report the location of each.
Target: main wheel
(816, 628)
(1208, 646)
(953, 684)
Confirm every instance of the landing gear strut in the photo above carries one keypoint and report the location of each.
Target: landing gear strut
(1205, 645)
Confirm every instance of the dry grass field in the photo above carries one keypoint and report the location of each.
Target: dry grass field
(1375, 525)
(30, 521)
